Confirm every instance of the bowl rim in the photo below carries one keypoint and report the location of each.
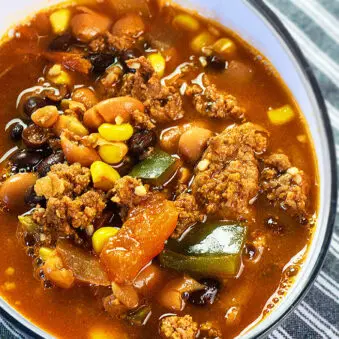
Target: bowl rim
(276, 24)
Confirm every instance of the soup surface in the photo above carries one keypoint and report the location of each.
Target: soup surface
(158, 179)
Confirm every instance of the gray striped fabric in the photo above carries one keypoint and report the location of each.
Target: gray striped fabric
(315, 27)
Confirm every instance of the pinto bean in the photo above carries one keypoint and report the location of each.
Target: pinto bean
(46, 116)
(85, 96)
(193, 142)
(86, 26)
(130, 24)
(71, 123)
(108, 110)
(14, 189)
(75, 152)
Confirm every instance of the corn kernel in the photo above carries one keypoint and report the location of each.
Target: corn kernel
(101, 236)
(113, 153)
(112, 132)
(202, 40)
(103, 175)
(282, 115)
(60, 20)
(103, 333)
(140, 191)
(45, 252)
(10, 270)
(58, 76)
(158, 62)
(186, 22)
(225, 47)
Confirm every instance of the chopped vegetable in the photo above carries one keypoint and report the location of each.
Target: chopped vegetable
(281, 116)
(186, 22)
(85, 267)
(140, 239)
(60, 20)
(225, 47)
(112, 132)
(139, 316)
(208, 249)
(113, 153)
(103, 175)
(28, 223)
(58, 76)
(156, 168)
(101, 236)
(204, 39)
(45, 252)
(158, 62)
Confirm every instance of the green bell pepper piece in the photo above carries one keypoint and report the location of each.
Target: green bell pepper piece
(155, 167)
(212, 249)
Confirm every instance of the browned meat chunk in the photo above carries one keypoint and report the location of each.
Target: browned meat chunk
(285, 185)
(163, 103)
(64, 214)
(227, 177)
(129, 192)
(213, 103)
(189, 213)
(63, 180)
(174, 327)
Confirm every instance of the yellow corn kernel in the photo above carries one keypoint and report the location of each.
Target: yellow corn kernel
(103, 333)
(225, 47)
(202, 40)
(60, 20)
(112, 132)
(58, 76)
(186, 22)
(101, 236)
(158, 62)
(282, 115)
(45, 252)
(103, 175)
(113, 153)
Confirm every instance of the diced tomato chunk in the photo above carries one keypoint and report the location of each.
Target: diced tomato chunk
(140, 239)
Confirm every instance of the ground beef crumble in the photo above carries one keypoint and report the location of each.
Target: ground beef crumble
(163, 103)
(285, 185)
(189, 213)
(229, 177)
(213, 103)
(63, 180)
(123, 192)
(71, 202)
(174, 327)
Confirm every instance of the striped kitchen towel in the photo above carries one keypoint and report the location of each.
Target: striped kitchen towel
(314, 25)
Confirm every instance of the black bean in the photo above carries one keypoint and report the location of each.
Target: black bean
(31, 199)
(45, 166)
(41, 274)
(126, 165)
(61, 43)
(30, 252)
(33, 103)
(29, 239)
(26, 159)
(141, 141)
(131, 54)
(35, 136)
(216, 63)
(100, 61)
(207, 295)
(16, 131)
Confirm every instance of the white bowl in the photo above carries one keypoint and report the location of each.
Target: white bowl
(258, 25)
